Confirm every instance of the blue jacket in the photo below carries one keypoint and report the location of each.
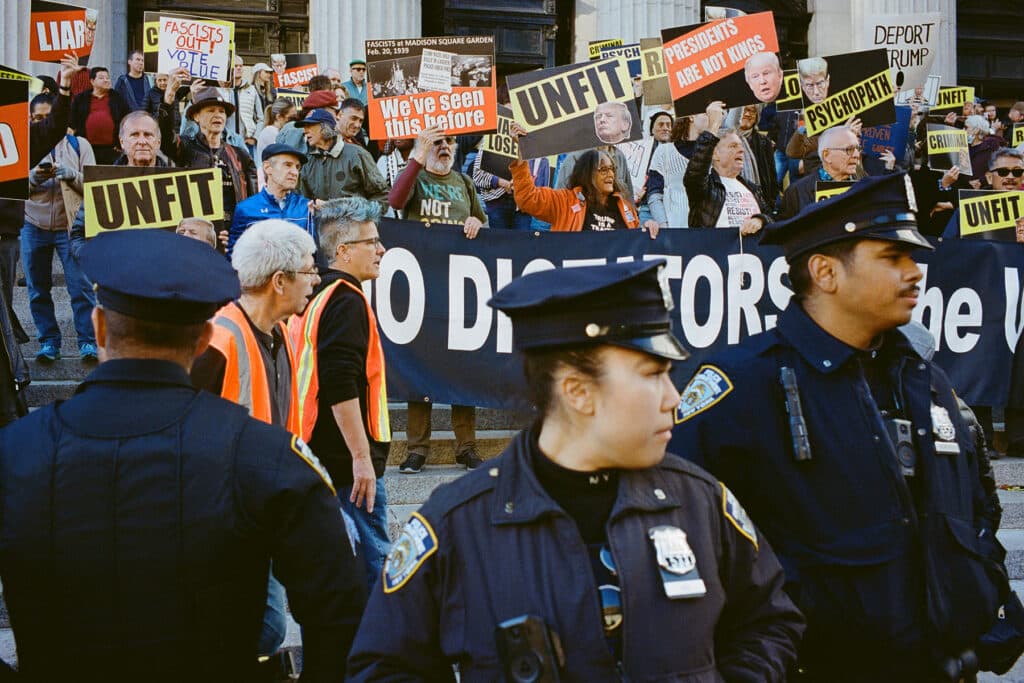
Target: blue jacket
(494, 545)
(263, 205)
(894, 575)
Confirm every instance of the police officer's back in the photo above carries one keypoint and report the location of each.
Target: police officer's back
(850, 452)
(140, 516)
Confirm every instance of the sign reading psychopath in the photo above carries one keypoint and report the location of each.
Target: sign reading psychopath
(732, 60)
(991, 214)
(910, 40)
(293, 70)
(573, 107)
(129, 198)
(953, 98)
(856, 84)
(832, 188)
(56, 29)
(631, 53)
(594, 47)
(790, 97)
(418, 83)
(14, 166)
(653, 73)
(203, 46)
(498, 149)
(947, 147)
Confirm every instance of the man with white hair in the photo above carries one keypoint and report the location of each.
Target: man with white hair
(764, 76)
(839, 150)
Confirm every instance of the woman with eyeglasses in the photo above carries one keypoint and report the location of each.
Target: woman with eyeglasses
(595, 199)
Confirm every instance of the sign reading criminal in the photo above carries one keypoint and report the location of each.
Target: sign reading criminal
(125, 197)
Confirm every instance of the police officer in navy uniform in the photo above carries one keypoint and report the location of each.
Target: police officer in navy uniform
(849, 452)
(583, 532)
(139, 517)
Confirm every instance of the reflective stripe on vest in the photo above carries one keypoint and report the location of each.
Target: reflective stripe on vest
(304, 331)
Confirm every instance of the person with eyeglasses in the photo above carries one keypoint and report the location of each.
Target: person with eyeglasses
(1005, 169)
(356, 85)
(340, 365)
(840, 151)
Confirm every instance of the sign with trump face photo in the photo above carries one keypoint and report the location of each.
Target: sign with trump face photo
(842, 87)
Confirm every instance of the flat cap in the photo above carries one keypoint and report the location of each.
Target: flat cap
(278, 148)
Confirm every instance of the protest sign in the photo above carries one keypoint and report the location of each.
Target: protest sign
(442, 341)
(35, 85)
(1017, 137)
(889, 138)
(911, 41)
(295, 96)
(653, 72)
(790, 97)
(572, 107)
(712, 13)
(631, 53)
(926, 95)
(293, 70)
(499, 148)
(56, 29)
(594, 46)
(14, 166)
(151, 36)
(130, 198)
(856, 84)
(953, 98)
(203, 46)
(709, 62)
(947, 147)
(417, 83)
(991, 214)
(832, 188)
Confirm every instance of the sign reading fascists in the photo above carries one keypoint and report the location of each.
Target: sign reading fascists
(127, 197)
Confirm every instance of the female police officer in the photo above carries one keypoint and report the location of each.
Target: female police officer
(583, 531)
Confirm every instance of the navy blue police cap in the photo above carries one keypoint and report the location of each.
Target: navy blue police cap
(623, 304)
(878, 208)
(279, 148)
(159, 276)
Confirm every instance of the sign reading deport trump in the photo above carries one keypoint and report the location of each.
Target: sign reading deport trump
(419, 83)
(843, 87)
(129, 198)
(573, 107)
(732, 60)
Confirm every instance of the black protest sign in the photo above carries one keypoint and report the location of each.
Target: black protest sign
(732, 60)
(653, 73)
(297, 97)
(947, 147)
(499, 148)
(129, 197)
(855, 84)
(573, 107)
(832, 188)
(294, 69)
(953, 98)
(992, 215)
(791, 97)
(14, 138)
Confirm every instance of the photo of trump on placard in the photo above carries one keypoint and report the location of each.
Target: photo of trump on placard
(764, 76)
(612, 122)
(813, 78)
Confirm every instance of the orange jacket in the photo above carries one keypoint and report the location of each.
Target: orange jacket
(245, 374)
(564, 209)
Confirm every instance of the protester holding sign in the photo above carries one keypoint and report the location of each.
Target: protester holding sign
(719, 196)
(981, 144)
(96, 115)
(337, 168)
(840, 151)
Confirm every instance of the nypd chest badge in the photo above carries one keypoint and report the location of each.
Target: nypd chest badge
(676, 563)
(944, 431)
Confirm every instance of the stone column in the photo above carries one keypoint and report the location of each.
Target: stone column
(837, 27)
(630, 20)
(338, 30)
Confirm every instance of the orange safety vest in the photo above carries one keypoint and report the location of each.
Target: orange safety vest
(245, 375)
(304, 330)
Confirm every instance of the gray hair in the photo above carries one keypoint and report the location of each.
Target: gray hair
(329, 132)
(812, 66)
(269, 246)
(977, 121)
(210, 231)
(338, 221)
(134, 116)
(760, 57)
(1004, 152)
(828, 136)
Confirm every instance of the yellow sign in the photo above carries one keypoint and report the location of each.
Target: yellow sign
(852, 101)
(984, 211)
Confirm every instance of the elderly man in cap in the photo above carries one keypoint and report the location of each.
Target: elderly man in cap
(208, 148)
(278, 199)
(337, 168)
(356, 85)
(138, 537)
(849, 451)
(292, 133)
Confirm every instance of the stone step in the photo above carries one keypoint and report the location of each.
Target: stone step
(1009, 471)
(1013, 509)
(489, 443)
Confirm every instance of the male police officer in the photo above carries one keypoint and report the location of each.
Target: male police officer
(850, 453)
(139, 517)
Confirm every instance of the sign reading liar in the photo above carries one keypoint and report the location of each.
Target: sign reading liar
(56, 29)
(123, 197)
(200, 45)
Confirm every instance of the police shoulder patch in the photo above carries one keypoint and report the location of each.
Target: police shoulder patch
(303, 451)
(708, 386)
(735, 513)
(414, 545)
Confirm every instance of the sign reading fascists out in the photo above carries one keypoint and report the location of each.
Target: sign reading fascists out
(859, 85)
(990, 214)
(203, 46)
(127, 197)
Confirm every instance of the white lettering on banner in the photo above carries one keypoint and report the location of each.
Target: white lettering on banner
(778, 292)
(1013, 321)
(460, 269)
(699, 335)
(397, 260)
(743, 301)
(945, 321)
(537, 265)
(504, 322)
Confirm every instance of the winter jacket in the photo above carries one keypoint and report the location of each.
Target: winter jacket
(705, 189)
(45, 206)
(80, 111)
(565, 209)
(123, 87)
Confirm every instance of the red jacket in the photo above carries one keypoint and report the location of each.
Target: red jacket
(563, 209)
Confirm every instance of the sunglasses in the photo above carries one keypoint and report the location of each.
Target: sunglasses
(1003, 172)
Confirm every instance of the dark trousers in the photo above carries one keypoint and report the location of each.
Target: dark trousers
(10, 252)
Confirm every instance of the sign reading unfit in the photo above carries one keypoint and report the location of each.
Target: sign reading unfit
(128, 198)
(990, 214)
